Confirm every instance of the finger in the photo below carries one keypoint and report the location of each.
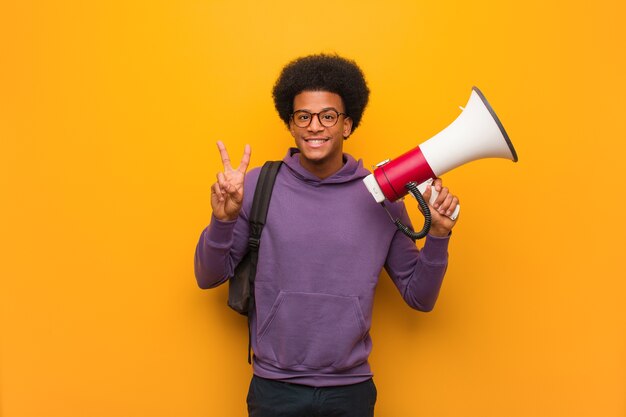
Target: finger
(453, 205)
(229, 188)
(445, 205)
(245, 160)
(216, 190)
(224, 155)
(438, 184)
(224, 185)
(443, 194)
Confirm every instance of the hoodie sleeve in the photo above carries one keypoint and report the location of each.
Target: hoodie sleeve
(219, 251)
(417, 274)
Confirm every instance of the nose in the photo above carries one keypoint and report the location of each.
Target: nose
(315, 125)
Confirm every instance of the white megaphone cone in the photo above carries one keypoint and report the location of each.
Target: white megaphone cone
(476, 134)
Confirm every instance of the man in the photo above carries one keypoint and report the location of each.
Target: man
(323, 246)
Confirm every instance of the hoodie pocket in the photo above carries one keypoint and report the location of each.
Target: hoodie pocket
(313, 331)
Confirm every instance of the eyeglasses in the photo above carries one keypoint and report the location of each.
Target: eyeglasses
(327, 118)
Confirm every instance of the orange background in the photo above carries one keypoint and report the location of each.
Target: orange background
(109, 113)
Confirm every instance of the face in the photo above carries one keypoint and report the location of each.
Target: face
(321, 147)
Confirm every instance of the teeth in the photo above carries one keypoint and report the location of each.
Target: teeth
(316, 140)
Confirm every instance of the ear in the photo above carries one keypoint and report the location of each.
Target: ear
(347, 127)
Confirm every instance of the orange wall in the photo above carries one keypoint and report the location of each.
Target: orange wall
(109, 113)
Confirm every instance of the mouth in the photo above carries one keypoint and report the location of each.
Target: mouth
(316, 141)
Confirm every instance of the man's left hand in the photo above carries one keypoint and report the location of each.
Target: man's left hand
(441, 208)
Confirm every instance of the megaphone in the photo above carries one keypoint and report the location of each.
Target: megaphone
(476, 133)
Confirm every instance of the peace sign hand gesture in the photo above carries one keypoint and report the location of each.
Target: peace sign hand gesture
(227, 192)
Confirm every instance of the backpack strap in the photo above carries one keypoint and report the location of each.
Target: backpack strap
(261, 201)
(258, 215)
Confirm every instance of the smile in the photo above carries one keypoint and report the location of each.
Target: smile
(316, 141)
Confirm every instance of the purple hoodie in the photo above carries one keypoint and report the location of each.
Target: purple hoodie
(323, 247)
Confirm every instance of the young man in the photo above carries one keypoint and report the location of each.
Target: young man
(323, 246)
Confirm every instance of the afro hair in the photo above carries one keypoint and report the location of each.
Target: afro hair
(322, 72)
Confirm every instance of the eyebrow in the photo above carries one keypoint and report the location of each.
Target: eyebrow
(324, 109)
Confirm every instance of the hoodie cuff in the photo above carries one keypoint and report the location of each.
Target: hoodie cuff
(220, 233)
(435, 249)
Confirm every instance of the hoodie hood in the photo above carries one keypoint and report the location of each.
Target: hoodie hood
(352, 170)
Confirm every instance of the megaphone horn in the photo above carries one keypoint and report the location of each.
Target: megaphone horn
(476, 133)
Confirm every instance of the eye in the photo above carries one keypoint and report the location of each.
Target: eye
(329, 116)
(302, 116)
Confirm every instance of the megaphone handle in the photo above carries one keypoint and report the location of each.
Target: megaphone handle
(434, 194)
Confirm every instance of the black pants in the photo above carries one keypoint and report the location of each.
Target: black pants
(268, 398)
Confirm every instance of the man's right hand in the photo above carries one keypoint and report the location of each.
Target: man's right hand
(227, 192)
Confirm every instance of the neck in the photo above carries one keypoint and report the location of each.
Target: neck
(323, 169)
